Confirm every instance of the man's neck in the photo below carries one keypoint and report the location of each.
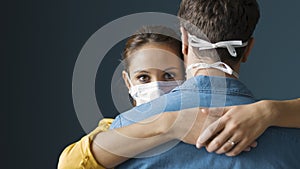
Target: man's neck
(208, 71)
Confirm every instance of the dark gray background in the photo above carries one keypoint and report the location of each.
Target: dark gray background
(45, 37)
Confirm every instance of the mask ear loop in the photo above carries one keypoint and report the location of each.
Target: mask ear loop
(204, 45)
(191, 67)
(129, 80)
(225, 68)
(132, 100)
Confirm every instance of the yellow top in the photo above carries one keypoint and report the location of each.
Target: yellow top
(78, 155)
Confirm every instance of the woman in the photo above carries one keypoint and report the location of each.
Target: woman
(153, 67)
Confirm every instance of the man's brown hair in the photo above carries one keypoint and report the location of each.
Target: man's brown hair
(220, 20)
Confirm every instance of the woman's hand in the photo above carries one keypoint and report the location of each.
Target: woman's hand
(237, 129)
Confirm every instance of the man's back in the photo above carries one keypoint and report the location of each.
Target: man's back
(276, 149)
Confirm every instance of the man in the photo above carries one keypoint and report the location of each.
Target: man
(228, 25)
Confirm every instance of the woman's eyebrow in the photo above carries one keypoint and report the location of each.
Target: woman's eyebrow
(140, 71)
(170, 68)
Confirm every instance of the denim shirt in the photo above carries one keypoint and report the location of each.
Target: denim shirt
(277, 147)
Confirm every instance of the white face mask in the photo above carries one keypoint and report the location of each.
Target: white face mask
(217, 65)
(144, 93)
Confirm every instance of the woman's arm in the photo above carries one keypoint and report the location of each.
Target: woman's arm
(285, 113)
(116, 146)
(106, 149)
(102, 148)
(244, 124)
(113, 147)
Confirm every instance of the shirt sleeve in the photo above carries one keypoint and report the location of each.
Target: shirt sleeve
(78, 155)
(116, 123)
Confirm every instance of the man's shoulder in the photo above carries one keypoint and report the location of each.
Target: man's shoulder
(144, 111)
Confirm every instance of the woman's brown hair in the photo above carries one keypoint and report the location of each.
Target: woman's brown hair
(151, 34)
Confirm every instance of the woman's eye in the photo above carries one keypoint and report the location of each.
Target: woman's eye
(144, 78)
(169, 76)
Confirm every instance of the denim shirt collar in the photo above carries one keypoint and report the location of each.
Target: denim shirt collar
(215, 84)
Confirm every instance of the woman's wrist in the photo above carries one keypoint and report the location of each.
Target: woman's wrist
(285, 113)
(270, 110)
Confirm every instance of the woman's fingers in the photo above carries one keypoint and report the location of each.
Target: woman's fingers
(231, 146)
(242, 146)
(238, 148)
(247, 149)
(254, 144)
(213, 128)
(219, 142)
(228, 143)
(226, 147)
(209, 132)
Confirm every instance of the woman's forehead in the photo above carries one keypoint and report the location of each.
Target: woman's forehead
(153, 58)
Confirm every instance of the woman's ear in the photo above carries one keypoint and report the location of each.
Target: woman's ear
(184, 39)
(248, 50)
(125, 78)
